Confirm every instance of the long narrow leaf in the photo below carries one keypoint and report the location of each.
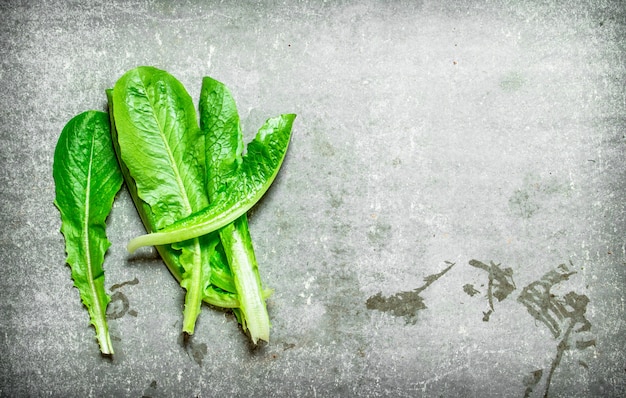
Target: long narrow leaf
(87, 178)
(219, 121)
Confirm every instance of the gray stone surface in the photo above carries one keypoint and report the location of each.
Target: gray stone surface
(447, 158)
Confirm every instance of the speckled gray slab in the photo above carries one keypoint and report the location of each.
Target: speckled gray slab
(449, 220)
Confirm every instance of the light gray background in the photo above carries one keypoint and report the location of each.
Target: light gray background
(428, 133)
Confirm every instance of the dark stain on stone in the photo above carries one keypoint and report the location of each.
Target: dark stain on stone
(581, 345)
(531, 381)
(470, 290)
(500, 283)
(118, 306)
(564, 315)
(405, 304)
(544, 306)
(196, 351)
(118, 285)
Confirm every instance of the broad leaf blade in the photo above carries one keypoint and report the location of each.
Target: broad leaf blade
(160, 142)
(253, 178)
(87, 178)
(161, 146)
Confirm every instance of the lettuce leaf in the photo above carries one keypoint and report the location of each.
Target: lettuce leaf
(160, 145)
(87, 178)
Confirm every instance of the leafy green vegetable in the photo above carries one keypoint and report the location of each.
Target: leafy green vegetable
(172, 169)
(87, 178)
(164, 161)
(158, 141)
(224, 146)
(234, 183)
(220, 291)
(186, 182)
(245, 187)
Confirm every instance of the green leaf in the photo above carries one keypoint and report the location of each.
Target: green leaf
(87, 178)
(161, 146)
(219, 121)
(160, 142)
(224, 145)
(219, 272)
(252, 179)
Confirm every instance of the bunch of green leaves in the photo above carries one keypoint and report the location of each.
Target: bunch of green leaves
(192, 186)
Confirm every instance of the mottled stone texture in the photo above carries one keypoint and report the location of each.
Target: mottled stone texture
(449, 220)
